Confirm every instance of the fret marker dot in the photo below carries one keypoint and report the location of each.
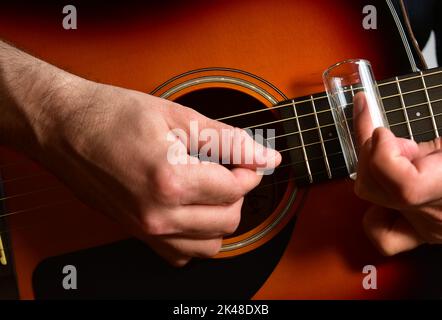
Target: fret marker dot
(418, 114)
(330, 134)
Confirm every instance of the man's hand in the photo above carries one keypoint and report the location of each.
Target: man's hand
(404, 180)
(110, 146)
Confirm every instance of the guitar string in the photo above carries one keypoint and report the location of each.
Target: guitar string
(270, 138)
(336, 138)
(259, 187)
(292, 133)
(320, 172)
(45, 219)
(386, 113)
(266, 185)
(280, 151)
(28, 225)
(331, 139)
(309, 100)
(25, 177)
(325, 96)
(323, 157)
(306, 176)
(329, 110)
(231, 117)
(23, 211)
(31, 176)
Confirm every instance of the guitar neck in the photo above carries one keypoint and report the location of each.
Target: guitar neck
(413, 106)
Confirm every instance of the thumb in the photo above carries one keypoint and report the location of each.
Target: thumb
(389, 231)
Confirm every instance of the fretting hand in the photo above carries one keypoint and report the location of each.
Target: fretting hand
(404, 181)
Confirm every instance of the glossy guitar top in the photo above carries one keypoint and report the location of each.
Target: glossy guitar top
(280, 47)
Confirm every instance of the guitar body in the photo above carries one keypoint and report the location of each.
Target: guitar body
(279, 47)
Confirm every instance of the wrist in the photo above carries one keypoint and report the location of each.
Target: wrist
(35, 98)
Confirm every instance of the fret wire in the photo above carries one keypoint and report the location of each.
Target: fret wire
(332, 124)
(325, 96)
(327, 165)
(319, 172)
(409, 107)
(307, 145)
(303, 146)
(329, 110)
(414, 120)
(397, 81)
(318, 112)
(280, 167)
(404, 108)
(314, 158)
(430, 107)
(335, 153)
(410, 92)
(302, 101)
(336, 138)
(347, 125)
(296, 178)
(421, 133)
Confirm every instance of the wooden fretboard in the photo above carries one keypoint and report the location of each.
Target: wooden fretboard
(413, 106)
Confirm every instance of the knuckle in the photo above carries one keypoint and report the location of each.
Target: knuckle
(385, 244)
(167, 187)
(235, 193)
(155, 225)
(186, 112)
(212, 248)
(360, 189)
(407, 195)
(232, 222)
(386, 247)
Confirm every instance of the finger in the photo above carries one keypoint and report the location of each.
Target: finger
(213, 140)
(428, 147)
(211, 183)
(193, 248)
(389, 231)
(411, 181)
(206, 221)
(168, 253)
(366, 185)
(362, 123)
(194, 221)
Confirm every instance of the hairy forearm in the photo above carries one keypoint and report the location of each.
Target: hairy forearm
(33, 94)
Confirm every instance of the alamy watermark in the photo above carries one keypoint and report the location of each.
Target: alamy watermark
(224, 146)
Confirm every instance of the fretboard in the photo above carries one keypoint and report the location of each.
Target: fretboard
(413, 106)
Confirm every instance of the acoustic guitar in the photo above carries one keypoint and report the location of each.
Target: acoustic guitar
(253, 64)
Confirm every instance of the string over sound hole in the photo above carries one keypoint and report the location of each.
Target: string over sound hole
(216, 103)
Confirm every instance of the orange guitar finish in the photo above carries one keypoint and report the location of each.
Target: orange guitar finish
(287, 43)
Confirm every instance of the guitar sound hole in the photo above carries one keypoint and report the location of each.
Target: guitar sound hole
(220, 102)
